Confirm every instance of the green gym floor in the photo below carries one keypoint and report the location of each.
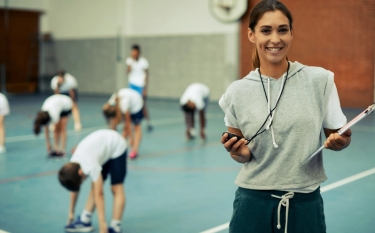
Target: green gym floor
(174, 185)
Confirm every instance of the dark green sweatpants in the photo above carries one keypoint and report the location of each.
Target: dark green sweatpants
(255, 211)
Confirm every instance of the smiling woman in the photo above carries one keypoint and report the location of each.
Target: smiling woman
(274, 146)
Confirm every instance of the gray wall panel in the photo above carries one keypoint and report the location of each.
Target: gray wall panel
(91, 61)
(175, 62)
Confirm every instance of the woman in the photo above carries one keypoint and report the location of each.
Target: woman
(55, 110)
(280, 109)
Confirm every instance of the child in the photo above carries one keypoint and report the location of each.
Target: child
(4, 111)
(65, 84)
(56, 110)
(100, 153)
(195, 97)
(138, 73)
(127, 104)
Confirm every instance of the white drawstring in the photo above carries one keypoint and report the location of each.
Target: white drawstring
(269, 125)
(285, 202)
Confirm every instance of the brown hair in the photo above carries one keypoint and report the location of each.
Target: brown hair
(69, 176)
(258, 11)
(109, 111)
(42, 118)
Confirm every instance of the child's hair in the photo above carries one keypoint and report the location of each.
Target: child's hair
(136, 47)
(69, 176)
(187, 108)
(109, 111)
(61, 73)
(258, 11)
(42, 118)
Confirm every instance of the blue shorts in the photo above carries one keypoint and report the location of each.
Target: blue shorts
(117, 168)
(137, 117)
(75, 100)
(136, 88)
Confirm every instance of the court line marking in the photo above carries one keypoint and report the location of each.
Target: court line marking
(1, 231)
(30, 137)
(324, 189)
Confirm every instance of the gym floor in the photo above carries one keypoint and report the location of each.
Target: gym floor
(174, 185)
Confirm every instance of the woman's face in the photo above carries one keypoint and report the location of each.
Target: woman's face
(272, 37)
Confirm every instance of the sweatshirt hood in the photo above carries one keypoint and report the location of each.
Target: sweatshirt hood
(294, 68)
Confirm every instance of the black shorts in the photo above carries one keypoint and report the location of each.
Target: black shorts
(65, 113)
(75, 100)
(137, 117)
(117, 168)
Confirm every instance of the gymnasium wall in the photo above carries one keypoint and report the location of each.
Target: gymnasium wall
(182, 42)
(336, 35)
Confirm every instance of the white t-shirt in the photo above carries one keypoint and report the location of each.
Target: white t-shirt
(137, 74)
(4, 105)
(69, 83)
(96, 149)
(56, 104)
(130, 100)
(196, 93)
(334, 118)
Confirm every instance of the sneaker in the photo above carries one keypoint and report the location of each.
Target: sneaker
(77, 127)
(112, 230)
(78, 226)
(133, 155)
(55, 155)
(150, 128)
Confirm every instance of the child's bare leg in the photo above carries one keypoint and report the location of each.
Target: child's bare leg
(63, 124)
(118, 201)
(137, 138)
(56, 133)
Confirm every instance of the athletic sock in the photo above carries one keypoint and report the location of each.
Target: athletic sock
(86, 216)
(116, 225)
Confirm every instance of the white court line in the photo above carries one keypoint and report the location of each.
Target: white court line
(216, 229)
(324, 189)
(1, 231)
(30, 137)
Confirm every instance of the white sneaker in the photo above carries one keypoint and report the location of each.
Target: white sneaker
(2, 149)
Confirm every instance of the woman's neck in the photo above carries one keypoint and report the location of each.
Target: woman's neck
(274, 70)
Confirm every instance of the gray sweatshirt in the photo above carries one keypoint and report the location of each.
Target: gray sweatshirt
(297, 125)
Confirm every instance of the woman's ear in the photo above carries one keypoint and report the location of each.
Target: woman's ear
(292, 33)
(250, 35)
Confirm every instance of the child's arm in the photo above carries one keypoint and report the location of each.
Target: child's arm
(46, 132)
(99, 203)
(72, 205)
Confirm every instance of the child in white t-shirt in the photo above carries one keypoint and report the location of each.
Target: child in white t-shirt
(137, 69)
(55, 110)
(65, 84)
(126, 104)
(100, 153)
(195, 97)
(4, 111)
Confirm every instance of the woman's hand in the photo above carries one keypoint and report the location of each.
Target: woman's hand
(237, 150)
(336, 142)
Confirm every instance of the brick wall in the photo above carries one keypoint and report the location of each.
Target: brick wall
(337, 35)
